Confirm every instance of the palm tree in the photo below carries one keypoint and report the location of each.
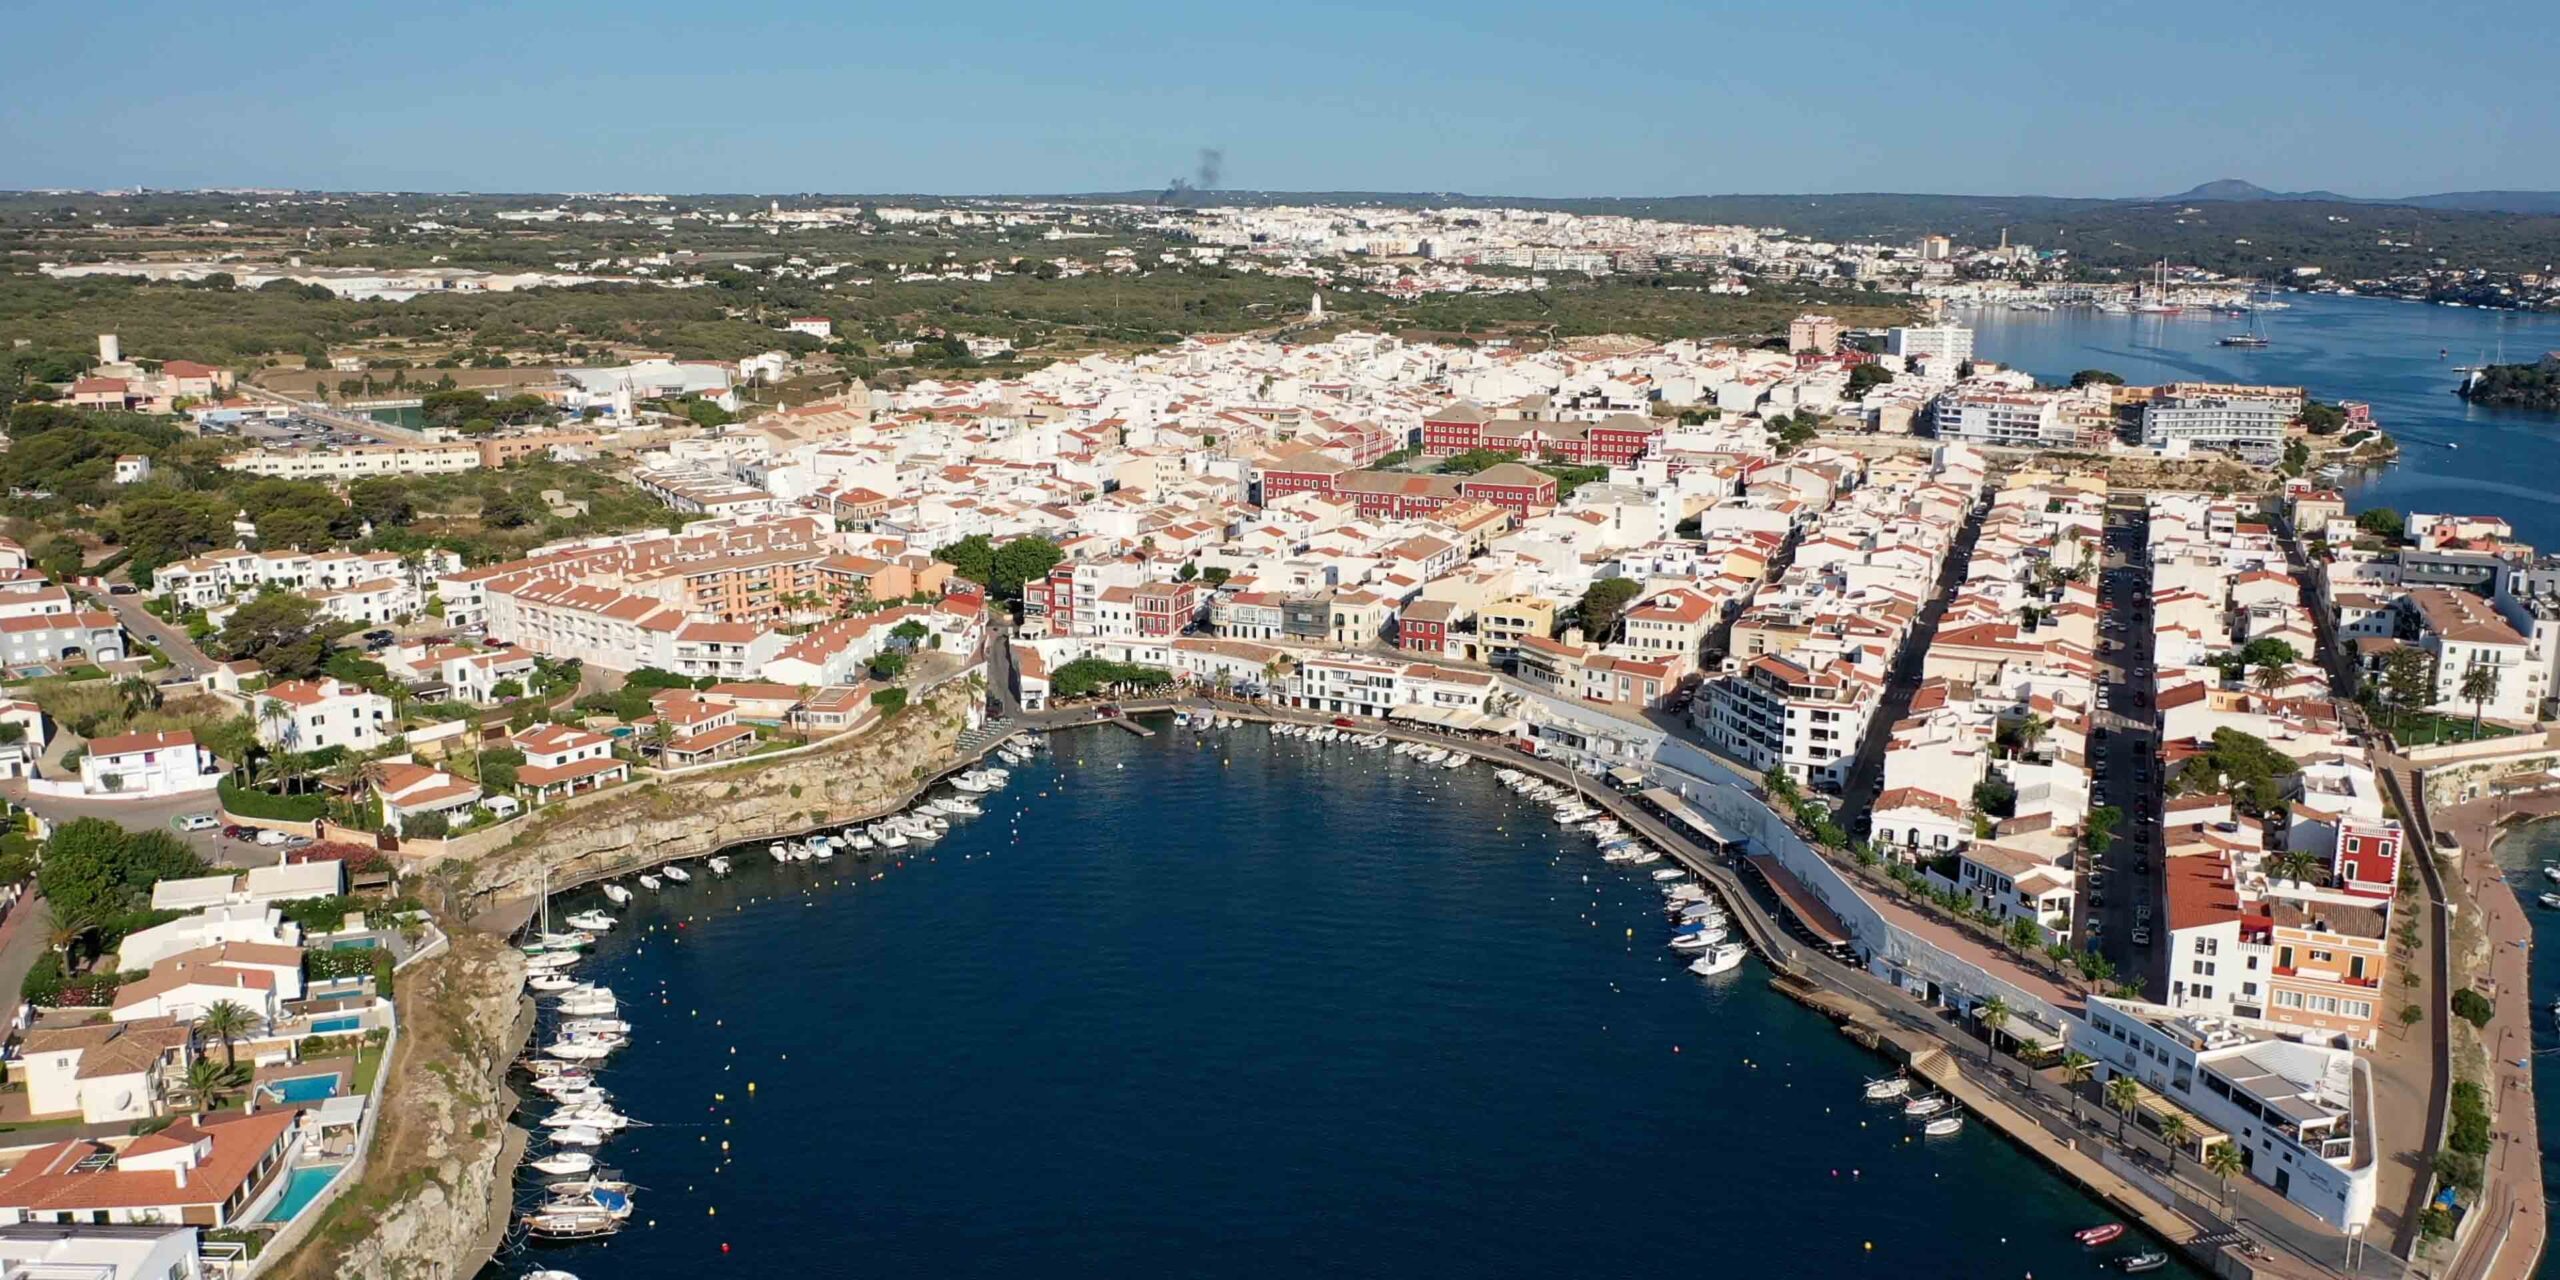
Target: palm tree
(65, 929)
(136, 695)
(2124, 1093)
(2225, 1162)
(662, 734)
(2297, 865)
(208, 1081)
(1995, 1015)
(227, 1022)
(2076, 1069)
(2271, 676)
(2173, 1134)
(2479, 684)
(2031, 731)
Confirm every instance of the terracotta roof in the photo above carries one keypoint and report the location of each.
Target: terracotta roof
(50, 1178)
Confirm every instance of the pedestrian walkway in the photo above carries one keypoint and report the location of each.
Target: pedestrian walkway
(2512, 1223)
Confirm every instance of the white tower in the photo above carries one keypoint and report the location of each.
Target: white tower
(1315, 305)
(109, 350)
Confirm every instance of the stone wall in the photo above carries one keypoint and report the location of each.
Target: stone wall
(632, 828)
(433, 1185)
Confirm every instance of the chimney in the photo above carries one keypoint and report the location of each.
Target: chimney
(109, 350)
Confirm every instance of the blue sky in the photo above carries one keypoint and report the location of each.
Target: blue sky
(1627, 97)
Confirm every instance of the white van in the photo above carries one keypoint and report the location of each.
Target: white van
(198, 822)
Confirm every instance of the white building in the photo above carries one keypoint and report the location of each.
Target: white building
(2292, 1109)
(1952, 343)
(2249, 421)
(137, 766)
(307, 715)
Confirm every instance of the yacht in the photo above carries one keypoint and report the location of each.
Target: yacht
(564, 1164)
(1723, 957)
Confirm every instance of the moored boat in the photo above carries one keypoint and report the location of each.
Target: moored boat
(1942, 1126)
(2095, 1236)
(2147, 1260)
(1886, 1087)
(1927, 1104)
(1723, 957)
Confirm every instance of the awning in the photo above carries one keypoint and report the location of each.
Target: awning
(1626, 777)
(1679, 812)
(345, 1110)
(1458, 718)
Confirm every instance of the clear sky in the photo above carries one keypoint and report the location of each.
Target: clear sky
(1619, 97)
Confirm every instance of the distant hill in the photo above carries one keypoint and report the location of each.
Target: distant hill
(2235, 189)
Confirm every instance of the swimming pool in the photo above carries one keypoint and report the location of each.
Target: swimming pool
(302, 1088)
(300, 1189)
(331, 1026)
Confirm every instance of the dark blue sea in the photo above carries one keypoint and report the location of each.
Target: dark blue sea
(2505, 462)
(1216, 1004)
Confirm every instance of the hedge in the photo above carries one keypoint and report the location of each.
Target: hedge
(248, 802)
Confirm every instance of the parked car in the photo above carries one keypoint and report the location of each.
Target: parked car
(237, 832)
(2141, 935)
(271, 838)
(198, 822)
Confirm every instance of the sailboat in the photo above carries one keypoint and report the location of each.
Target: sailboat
(2158, 303)
(2252, 339)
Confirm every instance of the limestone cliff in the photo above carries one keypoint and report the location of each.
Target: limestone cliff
(651, 822)
(434, 1190)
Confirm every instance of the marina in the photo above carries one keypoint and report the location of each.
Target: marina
(1520, 960)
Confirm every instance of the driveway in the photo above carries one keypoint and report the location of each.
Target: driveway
(142, 815)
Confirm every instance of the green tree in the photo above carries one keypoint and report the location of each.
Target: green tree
(1995, 1018)
(2124, 1094)
(1020, 561)
(1603, 604)
(227, 1021)
(2408, 678)
(2479, 684)
(382, 501)
(2225, 1162)
(972, 557)
(888, 666)
(281, 631)
(2077, 1067)
(2384, 523)
(2092, 377)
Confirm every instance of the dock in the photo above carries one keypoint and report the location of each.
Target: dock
(1131, 725)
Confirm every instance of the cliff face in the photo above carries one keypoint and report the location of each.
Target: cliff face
(639, 826)
(433, 1194)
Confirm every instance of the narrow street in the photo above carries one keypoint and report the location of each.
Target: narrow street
(2126, 883)
(1866, 777)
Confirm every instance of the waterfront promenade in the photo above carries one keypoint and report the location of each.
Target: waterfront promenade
(2515, 1228)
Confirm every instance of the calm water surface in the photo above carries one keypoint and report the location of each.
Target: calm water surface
(2522, 853)
(2507, 462)
(1219, 1004)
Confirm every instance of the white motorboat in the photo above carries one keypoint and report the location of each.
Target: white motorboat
(961, 808)
(1644, 856)
(650, 883)
(589, 1007)
(549, 982)
(617, 895)
(583, 1095)
(594, 1116)
(719, 866)
(1927, 1104)
(564, 1164)
(583, 1027)
(2551, 870)
(551, 961)
(1723, 957)
(584, 1222)
(1942, 1126)
(860, 842)
(1453, 759)
(676, 873)
(578, 1136)
(1699, 941)
(581, 1051)
(890, 837)
(549, 1273)
(1886, 1087)
(591, 921)
(2551, 900)
(1684, 893)
(822, 849)
(1670, 873)
(972, 783)
(1697, 911)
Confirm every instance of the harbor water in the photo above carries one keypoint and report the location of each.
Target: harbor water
(1216, 1001)
(2523, 853)
(2384, 352)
